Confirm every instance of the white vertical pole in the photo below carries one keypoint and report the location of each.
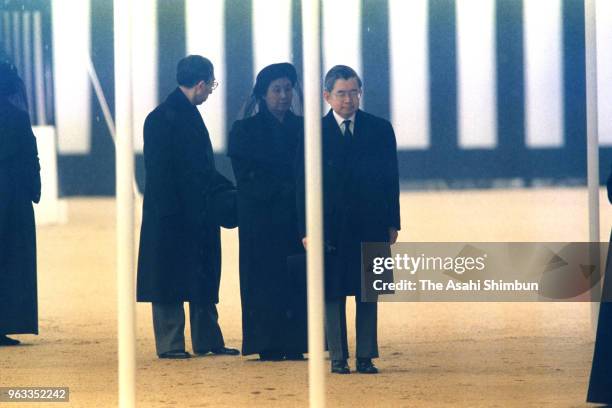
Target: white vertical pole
(125, 202)
(27, 59)
(39, 84)
(592, 138)
(592, 133)
(314, 204)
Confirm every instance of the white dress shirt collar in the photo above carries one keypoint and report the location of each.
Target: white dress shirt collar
(340, 120)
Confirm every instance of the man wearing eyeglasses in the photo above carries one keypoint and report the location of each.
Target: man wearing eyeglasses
(361, 204)
(180, 248)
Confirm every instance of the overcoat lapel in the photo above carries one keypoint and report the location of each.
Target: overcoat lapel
(361, 140)
(333, 140)
(336, 155)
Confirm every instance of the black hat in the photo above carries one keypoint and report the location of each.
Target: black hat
(269, 74)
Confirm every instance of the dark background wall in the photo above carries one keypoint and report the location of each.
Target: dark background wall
(443, 165)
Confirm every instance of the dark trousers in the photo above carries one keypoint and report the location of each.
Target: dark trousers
(169, 326)
(365, 325)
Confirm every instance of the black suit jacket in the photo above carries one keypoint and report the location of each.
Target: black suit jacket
(360, 195)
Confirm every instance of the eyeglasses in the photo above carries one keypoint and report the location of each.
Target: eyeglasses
(213, 84)
(351, 94)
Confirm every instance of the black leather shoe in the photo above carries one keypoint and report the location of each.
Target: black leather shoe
(340, 367)
(294, 357)
(7, 341)
(175, 355)
(365, 366)
(271, 356)
(225, 351)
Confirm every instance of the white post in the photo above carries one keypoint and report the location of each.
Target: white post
(39, 85)
(126, 306)
(592, 133)
(314, 204)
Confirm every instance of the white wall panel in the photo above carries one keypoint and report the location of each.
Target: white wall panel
(476, 74)
(71, 45)
(543, 73)
(271, 32)
(144, 64)
(409, 66)
(206, 37)
(604, 70)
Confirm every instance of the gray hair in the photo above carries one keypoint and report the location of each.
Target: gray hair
(340, 72)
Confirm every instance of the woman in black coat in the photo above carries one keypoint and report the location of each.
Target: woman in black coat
(19, 187)
(262, 148)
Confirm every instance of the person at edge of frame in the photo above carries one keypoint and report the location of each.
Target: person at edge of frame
(262, 148)
(600, 382)
(360, 204)
(180, 247)
(19, 187)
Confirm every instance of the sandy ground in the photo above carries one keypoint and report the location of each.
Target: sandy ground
(432, 354)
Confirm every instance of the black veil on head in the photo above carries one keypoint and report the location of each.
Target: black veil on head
(12, 87)
(256, 103)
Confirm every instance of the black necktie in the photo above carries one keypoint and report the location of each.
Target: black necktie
(347, 129)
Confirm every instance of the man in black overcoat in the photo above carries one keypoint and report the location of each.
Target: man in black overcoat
(600, 382)
(360, 204)
(19, 188)
(180, 247)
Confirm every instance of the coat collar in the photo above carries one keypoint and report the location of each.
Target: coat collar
(340, 120)
(290, 122)
(179, 101)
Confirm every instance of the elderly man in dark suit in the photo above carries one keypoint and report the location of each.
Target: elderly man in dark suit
(361, 204)
(180, 248)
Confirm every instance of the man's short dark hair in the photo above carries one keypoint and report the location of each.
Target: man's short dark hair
(340, 72)
(193, 69)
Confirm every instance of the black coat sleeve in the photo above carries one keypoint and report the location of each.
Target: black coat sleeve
(300, 188)
(27, 164)
(31, 162)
